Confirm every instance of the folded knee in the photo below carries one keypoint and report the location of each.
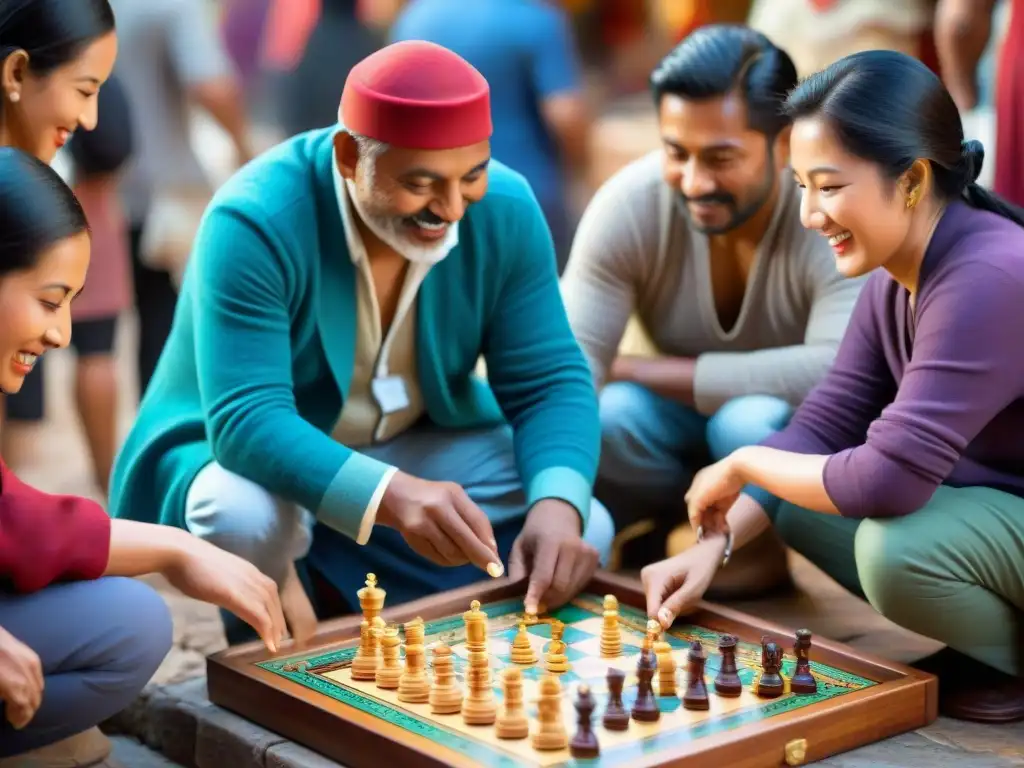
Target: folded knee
(141, 629)
(894, 568)
(746, 421)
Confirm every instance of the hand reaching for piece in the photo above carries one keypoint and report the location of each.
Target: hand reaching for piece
(674, 585)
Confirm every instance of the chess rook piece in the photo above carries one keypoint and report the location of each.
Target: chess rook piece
(476, 628)
(696, 696)
(666, 668)
(413, 685)
(479, 706)
(522, 651)
(584, 744)
(371, 598)
(770, 684)
(512, 722)
(389, 671)
(555, 660)
(727, 682)
(364, 664)
(803, 681)
(616, 718)
(611, 632)
(550, 733)
(645, 708)
(445, 697)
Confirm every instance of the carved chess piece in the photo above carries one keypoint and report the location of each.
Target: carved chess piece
(445, 697)
(413, 685)
(522, 651)
(611, 632)
(555, 660)
(584, 744)
(371, 598)
(666, 668)
(645, 708)
(550, 733)
(389, 671)
(512, 722)
(803, 681)
(652, 635)
(727, 682)
(616, 718)
(696, 696)
(479, 706)
(770, 684)
(367, 658)
(476, 628)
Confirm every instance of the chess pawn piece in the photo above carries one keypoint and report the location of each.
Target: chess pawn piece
(476, 628)
(413, 685)
(479, 706)
(522, 652)
(584, 744)
(803, 681)
(727, 682)
(616, 718)
(371, 598)
(512, 722)
(364, 664)
(611, 632)
(652, 635)
(696, 696)
(445, 697)
(389, 671)
(645, 708)
(550, 733)
(770, 684)
(666, 668)
(555, 660)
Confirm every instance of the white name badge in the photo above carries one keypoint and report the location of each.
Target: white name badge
(390, 394)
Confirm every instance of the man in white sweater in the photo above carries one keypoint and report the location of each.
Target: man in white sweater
(702, 242)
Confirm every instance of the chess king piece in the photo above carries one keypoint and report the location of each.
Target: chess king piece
(611, 632)
(584, 744)
(389, 671)
(476, 628)
(727, 682)
(550, 733)
(512, 722)
(555, 660)
(413, 685)
(645, 708)
(364, 664)
(479, 706)
(666, 668)
(803, 681)
(371, 598)
(770, 684)
(616, 718)
(445, 696)
(696, 696)
(522, 652)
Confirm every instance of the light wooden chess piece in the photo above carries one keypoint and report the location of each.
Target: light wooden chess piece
(666, 668)
(479, 706)
(371, 598)
(611, 632)
(476, 628)
(550, 733)
(389, 671)
(522, 651)
(413, 685)
(367, 658)
(653, 634)
(512, 722)
(555, 660)
(445, 697)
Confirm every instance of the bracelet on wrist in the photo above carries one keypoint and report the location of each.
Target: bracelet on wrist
(728, 543)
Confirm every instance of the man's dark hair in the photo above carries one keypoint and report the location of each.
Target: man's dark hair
(719, 59)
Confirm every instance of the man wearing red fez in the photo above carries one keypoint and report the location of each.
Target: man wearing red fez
(318, 401)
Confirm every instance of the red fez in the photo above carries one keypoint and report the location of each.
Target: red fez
(417, 95)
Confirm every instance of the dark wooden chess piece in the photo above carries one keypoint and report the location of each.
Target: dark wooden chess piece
(770, 685)
(727, 682)
(584, 744)
(696, 696)
(803, 681)
(616, 718)
(645, 708)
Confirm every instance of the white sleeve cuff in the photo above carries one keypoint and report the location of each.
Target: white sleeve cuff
(370, 515)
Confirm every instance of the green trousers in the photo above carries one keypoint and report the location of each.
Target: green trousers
(952, 571)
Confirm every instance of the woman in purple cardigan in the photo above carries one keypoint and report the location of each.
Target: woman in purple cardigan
(902, 474)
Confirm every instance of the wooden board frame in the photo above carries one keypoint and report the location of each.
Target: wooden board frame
(904, 699)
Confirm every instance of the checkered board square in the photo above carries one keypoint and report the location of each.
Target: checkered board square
(330, 675)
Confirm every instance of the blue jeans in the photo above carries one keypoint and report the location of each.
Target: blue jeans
(651, 446)
(99, 643)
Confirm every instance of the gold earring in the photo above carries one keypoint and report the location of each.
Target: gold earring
(912, 198)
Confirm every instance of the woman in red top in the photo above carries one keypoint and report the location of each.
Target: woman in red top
(77, 640)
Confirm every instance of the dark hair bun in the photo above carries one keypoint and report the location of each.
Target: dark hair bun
(972, 155)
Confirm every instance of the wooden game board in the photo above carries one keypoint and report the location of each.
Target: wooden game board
(311, 698)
